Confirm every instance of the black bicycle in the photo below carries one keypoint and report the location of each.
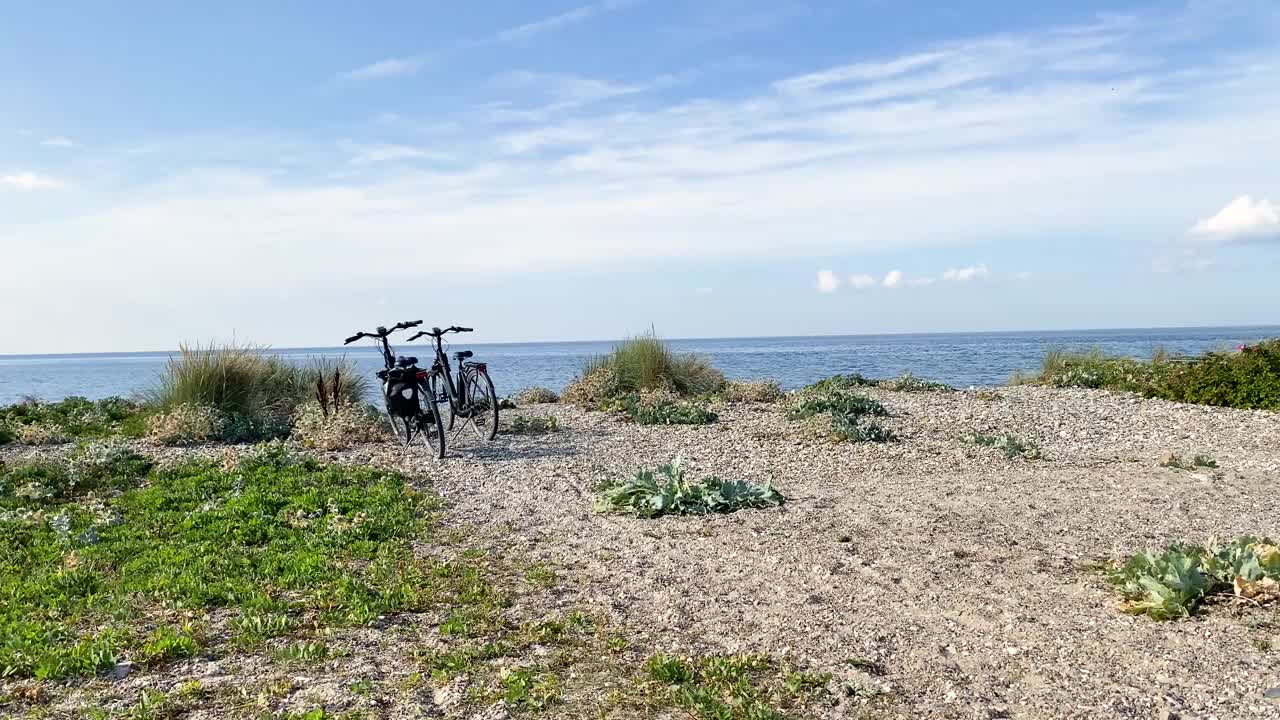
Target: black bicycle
(406, 393)
(470, 396)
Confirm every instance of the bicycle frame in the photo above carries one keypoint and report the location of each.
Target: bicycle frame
(453, 391)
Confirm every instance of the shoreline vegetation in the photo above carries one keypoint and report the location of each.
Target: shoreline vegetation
(245, 539)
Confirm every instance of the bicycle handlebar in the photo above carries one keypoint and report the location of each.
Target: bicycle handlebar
(383, 332)
(436, 332)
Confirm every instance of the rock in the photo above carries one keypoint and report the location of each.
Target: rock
(122, 670)
(1272, 694)
(1168, 715)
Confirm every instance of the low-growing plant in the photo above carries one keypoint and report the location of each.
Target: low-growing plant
(533, 425)
(336, 427)
(1010, 445)
(1177, 462)
(665, 408)
(668, 491)
(728, 687)
(846, 409)
(186, 425)
(852, 428)
(906, 382)
(535, 396)
(526, 689)
(753, 391)
(72, 418)
(1173, 582)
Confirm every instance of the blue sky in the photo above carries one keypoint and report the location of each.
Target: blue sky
(289, 172)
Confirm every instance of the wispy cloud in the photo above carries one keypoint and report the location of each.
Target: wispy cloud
(28, 181)
(58, 142)
(965, 274)
(577, 15)
(861, 281)
(892, 279)
(1242, 220)
(391, 67)
(389, 152)
(828, 281)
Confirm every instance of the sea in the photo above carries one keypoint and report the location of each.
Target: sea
(958, 359)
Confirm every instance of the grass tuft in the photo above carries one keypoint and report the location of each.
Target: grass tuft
(642, 363)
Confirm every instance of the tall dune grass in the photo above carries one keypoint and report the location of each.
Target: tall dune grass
(643, 363)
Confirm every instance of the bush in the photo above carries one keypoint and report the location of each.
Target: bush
(95, 466)
(651, 494)
(1174, 582)
(337, 427)
(643, 363)
(848, 428)
(1248, 378)
(186, 425)
(74, 417)
(41, 434)
(535, 396)
(666, 408)
(753, 391)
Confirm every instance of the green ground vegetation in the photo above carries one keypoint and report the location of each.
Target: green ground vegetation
(1248, 377)
(847, 412)
(670, 491)
(1174, 582)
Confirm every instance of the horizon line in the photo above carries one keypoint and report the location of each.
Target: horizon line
(694, 339)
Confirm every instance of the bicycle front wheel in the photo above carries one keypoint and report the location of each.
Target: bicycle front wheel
(482, 404)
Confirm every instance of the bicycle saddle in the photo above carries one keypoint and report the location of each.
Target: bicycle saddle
(463, 354)
(406, 361)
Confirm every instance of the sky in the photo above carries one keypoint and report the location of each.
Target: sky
(288, 173)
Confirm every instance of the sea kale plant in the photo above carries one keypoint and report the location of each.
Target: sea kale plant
(669, 491)
(847, 411)
(1172, 583)
(1010, 445)
(665, 408)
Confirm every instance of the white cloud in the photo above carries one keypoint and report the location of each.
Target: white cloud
(374, 154)
(391, 67)
(861, 281)
(828, 281)
(565, 19)
(1242, 220)
(893, 279)
(31, 181)
(58, 141)
(965, 274)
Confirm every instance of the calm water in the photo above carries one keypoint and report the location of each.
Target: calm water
(959, 359)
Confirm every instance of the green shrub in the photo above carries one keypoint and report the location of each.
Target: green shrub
(753, 391)
(664, 408)
(728, 687)
(73, 418)
(186, 425)
(6, 435)
(1177, 462)
(1248, 378)
(642, 363)
(668, 491)
(535, 396)
(1174, 582)
(806, 404)
(1011, 446)
(845, 409)
(851, 428)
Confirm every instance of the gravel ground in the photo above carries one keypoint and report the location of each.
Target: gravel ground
(964, 574)
(960, 576)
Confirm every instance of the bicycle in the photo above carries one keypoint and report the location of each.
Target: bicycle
(471, 396)
(403, 390)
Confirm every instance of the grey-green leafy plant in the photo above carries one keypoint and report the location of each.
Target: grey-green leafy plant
(906, 382)
(845, 408)
(1172, 583)
(1011, 446)
(669, 491)
(664, 409)
(1198, 461)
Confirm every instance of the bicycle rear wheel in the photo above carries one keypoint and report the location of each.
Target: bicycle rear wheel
(430, 427)
(482, 403)
(399, 427)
